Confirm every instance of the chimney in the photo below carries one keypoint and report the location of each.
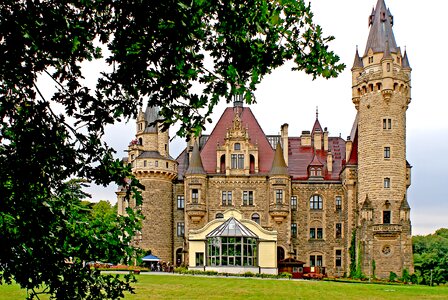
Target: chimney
(348, 148)
(305, 139)
(285, 141)
(325, 139)
(329, 162)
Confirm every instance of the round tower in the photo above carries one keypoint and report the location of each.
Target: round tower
(156, 170)
(381, 93)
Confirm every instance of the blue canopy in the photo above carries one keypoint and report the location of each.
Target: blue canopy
(150, 258)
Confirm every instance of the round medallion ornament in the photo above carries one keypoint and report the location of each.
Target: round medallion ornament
(387, 250)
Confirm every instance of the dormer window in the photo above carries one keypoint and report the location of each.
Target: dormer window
(370, 59)
(237, 161)
(315, 172)
(237, 146)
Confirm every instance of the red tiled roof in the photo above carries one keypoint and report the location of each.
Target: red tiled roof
(300, 158)
(256, 135)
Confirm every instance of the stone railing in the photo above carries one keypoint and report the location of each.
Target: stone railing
(386, 228)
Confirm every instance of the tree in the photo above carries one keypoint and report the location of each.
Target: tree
(159, 50)
(431, 257)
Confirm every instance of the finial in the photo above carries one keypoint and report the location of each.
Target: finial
(317, 112)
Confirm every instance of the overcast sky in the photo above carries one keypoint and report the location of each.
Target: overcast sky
(291, 97)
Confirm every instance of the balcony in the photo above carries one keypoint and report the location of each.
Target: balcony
(196, 211)
(279, 211)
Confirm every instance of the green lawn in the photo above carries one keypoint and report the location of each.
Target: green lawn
(197, 287)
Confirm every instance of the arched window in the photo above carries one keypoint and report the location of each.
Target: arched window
(237, 146)
(280, 253)
(316, 202)
(219, 216)
(140, 141)
(256, 218)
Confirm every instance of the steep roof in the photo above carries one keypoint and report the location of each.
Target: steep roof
(357, 63)
(279, 165)
(151, 115)
(405, 62)
(381, 30)
(256, 135)
(195, 166)
(404, 204)
(367, 204)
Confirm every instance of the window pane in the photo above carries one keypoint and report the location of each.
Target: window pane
(319, 233)
(386, 217)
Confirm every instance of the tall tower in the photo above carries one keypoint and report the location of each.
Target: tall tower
(155, 169)
(381, 89)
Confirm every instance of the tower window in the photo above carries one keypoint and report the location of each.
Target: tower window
(294, 202)
(370, 59)
(226, 198)
(194, 196)
(386, 217)
(387, 123)
(386, 152)
(316, 202)
(248, 197)
(278, 196)
(156, 163)
(386, 183)
(144, 163)
(388, 67)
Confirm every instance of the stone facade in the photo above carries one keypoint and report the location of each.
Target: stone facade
(319, 194)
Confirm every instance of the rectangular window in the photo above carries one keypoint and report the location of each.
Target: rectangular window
(156, 163)
(194, 196)
(338, 258)
(180, 228)
(312, 261)
(338, 203)
(319, 260)
(279, 196)
(312, 233)
(226, 198)
(294, 202)
(199, 259)
(240, 161)
(320, 234)
(180, 202)
(144, 163)
(248, 197)
(234, 161)
(386, 152)
(387, 123)
(386, 217)
(294, 229)
(316, 261)
(386, 183)
(338, 230)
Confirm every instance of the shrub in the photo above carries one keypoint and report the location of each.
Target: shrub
(248, 274)
(392, 276)
(285, 275)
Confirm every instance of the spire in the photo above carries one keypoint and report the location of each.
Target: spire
(315, 161)
(357, 63)
(404, 204)
(381, 30)
(317, 112)
(195, 166)
(367, 204)
(406, 61)
(278, 165)
(151, 115)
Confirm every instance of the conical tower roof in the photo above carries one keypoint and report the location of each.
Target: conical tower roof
(278, 165)
(381, 30)
(404, 204)
(367, 204)
(195, 166)
(151, 115)
(316, 162)
(406, 61)
(357, 63)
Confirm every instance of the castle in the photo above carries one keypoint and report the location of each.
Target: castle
(240, 200)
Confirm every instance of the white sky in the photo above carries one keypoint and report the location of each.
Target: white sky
(292, 97)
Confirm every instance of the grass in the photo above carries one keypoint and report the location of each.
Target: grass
(198, 287)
